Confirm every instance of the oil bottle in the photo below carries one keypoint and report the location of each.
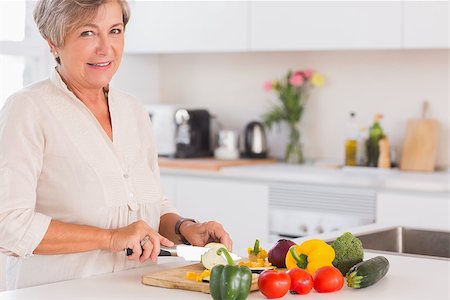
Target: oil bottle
(351, 142)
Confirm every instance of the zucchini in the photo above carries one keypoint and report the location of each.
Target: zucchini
(367, 273)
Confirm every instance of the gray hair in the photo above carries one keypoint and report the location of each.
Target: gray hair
(56, 18)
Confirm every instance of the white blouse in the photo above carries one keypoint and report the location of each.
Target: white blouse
(56, 161)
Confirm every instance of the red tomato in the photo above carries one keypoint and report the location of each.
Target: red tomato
(301, 281)
(328, 279)
(273, 284)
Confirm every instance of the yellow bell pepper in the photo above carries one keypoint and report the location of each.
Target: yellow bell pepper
(310, 255)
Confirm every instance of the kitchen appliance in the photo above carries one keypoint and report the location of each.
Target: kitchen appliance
(181, 132)
(164, 127)
(254, 141)
(227, 145)
(420, 144)
(300, 209)
(193, 133)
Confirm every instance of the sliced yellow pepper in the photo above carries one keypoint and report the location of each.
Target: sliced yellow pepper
(259, 263)
(256, 252)
(310, 255)
(262, 254)
(205, 273)
(194, 276)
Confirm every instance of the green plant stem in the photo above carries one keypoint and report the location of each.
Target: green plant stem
(294, 136)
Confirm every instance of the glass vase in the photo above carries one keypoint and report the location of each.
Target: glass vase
(294, 152)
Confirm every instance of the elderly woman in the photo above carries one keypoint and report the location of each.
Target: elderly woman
(79, 177)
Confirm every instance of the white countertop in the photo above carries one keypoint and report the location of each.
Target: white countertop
(408, 278)
(392, 179)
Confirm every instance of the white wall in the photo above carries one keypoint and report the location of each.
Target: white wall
(139, 75)
(393, 83)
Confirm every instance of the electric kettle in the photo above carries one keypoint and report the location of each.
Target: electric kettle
(255, 141)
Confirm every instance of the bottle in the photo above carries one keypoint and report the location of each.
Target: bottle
(351, 142)
(384, 160)
(361, 155)
(375, 134)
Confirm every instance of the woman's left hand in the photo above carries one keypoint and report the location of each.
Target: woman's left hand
(200, 234)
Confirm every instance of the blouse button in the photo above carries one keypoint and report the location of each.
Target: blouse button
(125, 176)
(131, 195)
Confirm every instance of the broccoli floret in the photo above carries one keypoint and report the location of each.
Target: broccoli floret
(349, 251)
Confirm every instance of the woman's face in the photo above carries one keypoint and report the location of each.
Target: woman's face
(92, 53)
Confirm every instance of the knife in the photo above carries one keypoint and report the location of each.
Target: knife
(188, 252)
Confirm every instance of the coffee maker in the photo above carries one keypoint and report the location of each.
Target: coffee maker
(193, 133)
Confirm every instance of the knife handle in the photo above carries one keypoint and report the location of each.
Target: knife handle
(162, 252)
(165, 253)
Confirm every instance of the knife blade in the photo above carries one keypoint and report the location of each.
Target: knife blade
(187, 252)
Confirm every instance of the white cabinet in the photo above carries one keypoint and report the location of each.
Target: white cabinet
(313, 25)
(426, 24)
(186, 26)
(230, 26)
(241, 207)
(257, 208)
(431, 211)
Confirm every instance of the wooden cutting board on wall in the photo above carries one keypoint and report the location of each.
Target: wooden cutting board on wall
(420, 144)
(176, 279)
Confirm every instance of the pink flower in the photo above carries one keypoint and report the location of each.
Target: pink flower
(308, 73)
(267, 86)
(296, 79)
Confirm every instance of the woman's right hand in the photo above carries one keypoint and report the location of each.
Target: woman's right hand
(131, 237)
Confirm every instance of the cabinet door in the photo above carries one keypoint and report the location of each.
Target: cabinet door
(241, 207)
(426, 24)
(419, 211)
(310, 25)
(186, 26)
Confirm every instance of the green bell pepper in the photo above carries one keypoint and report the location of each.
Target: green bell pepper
(229, 282)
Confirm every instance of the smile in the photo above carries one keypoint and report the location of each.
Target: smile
(104, 64)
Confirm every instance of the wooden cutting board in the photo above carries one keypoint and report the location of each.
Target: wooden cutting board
(209, 164)
(176, 279)
(420, 144)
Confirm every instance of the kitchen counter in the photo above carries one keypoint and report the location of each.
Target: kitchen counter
(209, 164)
(408, 278)
(393, 179)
